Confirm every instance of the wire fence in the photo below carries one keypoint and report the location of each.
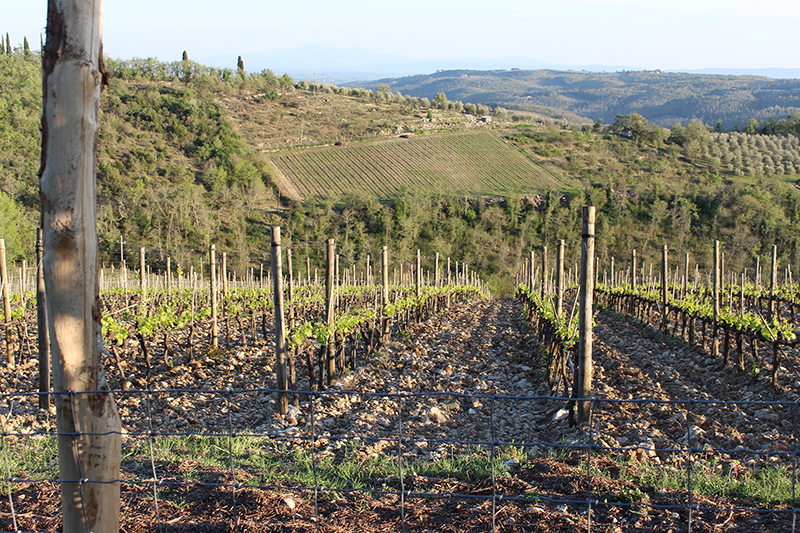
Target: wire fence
(308, 456)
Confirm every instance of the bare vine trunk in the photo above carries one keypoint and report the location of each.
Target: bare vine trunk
(87, 418)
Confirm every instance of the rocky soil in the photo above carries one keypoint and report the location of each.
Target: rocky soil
(471, 375)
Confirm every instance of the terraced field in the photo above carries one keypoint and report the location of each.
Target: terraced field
(474, 164)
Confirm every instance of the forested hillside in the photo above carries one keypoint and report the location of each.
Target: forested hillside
(662, 98)
(187, 157)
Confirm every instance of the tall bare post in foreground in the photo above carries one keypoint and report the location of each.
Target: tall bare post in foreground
(280, 326)
(583, 379)
(88, 422)
(41, 323)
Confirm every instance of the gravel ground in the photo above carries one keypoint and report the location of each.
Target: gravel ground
(448, 367)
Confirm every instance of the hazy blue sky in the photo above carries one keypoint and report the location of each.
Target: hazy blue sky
(672, 34)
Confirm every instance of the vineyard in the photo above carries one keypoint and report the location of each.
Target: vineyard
(423, 405)
(471, 164)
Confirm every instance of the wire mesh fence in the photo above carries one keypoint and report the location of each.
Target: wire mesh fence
(332, 445)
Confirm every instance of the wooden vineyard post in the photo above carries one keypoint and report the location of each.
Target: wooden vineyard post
(773, 280)
(436, 279)
(41, 324)
(418, 274)
(531, 275)
(384, 293)
(6, 303)
(544, 272)
(224, 276)
(560, 278)
(280, 326)
(88, 424)
(168, 275)
(291, 287)
(716, 287)
(633, 270)
(612, 273)
(685, 290)
(583, 378)
(330, 353)
(664, 288)
(142, 274)
(213, 293)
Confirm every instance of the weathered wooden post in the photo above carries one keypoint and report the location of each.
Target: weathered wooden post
(633, 269)
(88, 424)
(41, 326)
(531, 275)
(685, 290)
(583, 379)
(716, 287)
(6, 303)
(384, 293)
(224, 276)
(330, 352)
(142, 274)
(544, 287)
(290, 277)
(418, 273)
(436, 278)
(613, 280)
(664, 291)
(213, 293)
(280, 326)
(773, 280)
(560, 277)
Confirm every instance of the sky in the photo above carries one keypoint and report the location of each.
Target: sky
(649, 34)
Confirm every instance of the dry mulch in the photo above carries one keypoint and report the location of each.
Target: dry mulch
(480, 348)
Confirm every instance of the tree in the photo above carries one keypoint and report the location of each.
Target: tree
(8, 45)
(25, 48)
(89, 428)
(186, 56)
(240, 65)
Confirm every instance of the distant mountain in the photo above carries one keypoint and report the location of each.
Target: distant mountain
(661, 97)
(342, 65)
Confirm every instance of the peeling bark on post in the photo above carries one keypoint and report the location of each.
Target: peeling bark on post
(88, 422)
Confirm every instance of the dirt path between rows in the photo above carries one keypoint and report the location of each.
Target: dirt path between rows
(452, 373)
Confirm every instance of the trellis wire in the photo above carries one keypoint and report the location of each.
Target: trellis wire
(400, 440)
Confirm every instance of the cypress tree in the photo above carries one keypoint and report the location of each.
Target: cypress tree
(25, 48)
(185, 56)
(2, 47)
(8, 45)
(240, 65)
